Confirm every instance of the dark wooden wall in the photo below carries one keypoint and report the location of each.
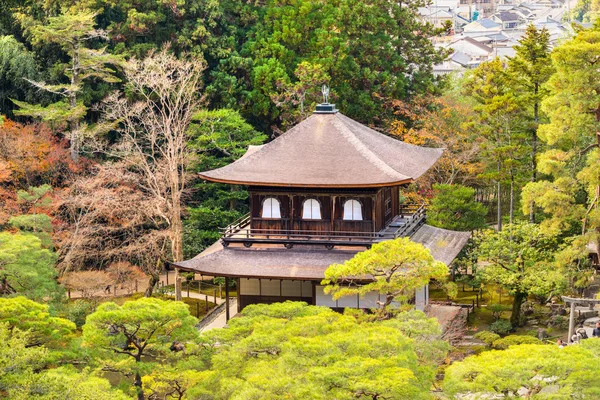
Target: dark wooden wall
(379, 207)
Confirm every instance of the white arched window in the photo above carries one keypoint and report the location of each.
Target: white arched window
(311, 209)
(352, 211)
(270, 208)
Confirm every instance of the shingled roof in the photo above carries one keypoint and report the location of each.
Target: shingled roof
(306, 262)
(329, 150)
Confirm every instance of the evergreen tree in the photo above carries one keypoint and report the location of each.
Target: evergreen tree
(73, 31)
(454, 207)
(571, 193)
(16, 64)
(138, 333)
(520, 258)
(500, 121)
(528, 71)
(528, 370)
(26, 268)
(398, 267)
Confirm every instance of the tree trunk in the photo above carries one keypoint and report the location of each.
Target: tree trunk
(74, 123)
(154, 279)
(499, 200)
(138, 384)
(536, 112)
(176, 243)
(515, 316)
(232, 200)
(512, 199)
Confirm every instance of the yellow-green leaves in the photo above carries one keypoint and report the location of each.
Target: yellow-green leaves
(394, 268)
(570, 372)
(295, 351)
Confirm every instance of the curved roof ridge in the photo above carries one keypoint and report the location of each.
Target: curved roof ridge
(366, 152)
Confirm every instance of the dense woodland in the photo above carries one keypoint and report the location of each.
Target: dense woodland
(108, 109)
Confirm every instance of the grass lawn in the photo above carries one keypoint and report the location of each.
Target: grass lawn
(482, 318)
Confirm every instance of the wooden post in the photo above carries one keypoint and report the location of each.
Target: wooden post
(220, 291)
(206, 301)
(571, 321)
(226, 299)
(177, 285)
(136, 285)
(215, 294)
(167, 271)
(198, 309)
(69, 293)
(477, 297)
(188, 288)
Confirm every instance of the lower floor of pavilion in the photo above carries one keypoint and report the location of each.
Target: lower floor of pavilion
(267, 273)
(267, 291)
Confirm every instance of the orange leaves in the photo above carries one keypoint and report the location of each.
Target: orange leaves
(440, 122)
(29, 153)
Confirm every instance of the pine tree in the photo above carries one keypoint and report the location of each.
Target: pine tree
(74, 32)
(571, 193)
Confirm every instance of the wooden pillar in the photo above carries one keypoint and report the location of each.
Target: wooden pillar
(571, 322)
(177, 285)
(226, 299)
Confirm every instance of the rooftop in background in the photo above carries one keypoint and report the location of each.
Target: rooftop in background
(329, 149)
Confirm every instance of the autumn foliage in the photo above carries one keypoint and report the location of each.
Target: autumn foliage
(30, 155)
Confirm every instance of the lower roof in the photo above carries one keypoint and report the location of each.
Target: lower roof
(305, 262)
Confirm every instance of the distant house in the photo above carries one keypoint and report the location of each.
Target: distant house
(449, 66)
(508, 19)
(469, 47)
(482, 27)
(437, 16)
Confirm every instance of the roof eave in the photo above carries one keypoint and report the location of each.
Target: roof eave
(278, 184)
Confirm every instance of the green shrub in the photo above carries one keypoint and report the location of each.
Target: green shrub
(501, 327)
(502, 344)
(497, 310)
(78, 310)
(487, 337)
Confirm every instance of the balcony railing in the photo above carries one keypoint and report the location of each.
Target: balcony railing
(410, 218)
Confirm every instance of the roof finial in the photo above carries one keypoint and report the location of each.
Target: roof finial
(325, 91)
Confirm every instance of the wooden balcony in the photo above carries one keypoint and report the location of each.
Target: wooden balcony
(407, 222)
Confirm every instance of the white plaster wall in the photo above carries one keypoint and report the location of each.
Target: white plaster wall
(249, 287)
(270, 287)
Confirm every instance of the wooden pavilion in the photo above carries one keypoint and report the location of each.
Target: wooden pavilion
(320, 193)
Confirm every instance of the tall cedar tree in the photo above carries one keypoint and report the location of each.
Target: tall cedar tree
(499, 120)
(529, 70)
(73, 31)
